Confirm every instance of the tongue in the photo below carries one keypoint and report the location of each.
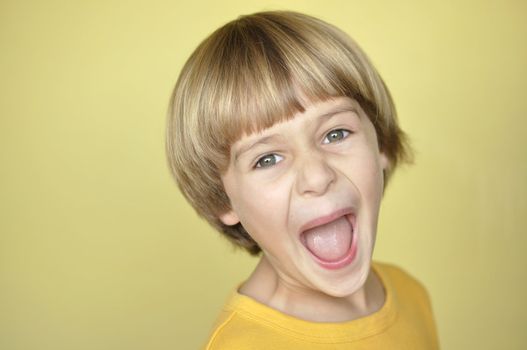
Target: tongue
(330, 241)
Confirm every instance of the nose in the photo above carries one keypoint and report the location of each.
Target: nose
(314, 174)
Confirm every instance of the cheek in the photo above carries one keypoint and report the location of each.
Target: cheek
(261, 209)
(366, 174)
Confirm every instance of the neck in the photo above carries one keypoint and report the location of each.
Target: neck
(267, 287)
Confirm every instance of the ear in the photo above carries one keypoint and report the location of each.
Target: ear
(385, 162)
(229, 218)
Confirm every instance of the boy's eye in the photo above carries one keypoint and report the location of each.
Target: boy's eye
(336, 135)
(268, 160)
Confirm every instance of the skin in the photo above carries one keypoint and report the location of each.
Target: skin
(322, 160)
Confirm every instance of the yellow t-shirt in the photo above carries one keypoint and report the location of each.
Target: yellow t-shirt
(405, 321)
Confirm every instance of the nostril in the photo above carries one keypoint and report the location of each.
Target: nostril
(315, 176)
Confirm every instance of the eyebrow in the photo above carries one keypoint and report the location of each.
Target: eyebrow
(268, 139)
(261, 141)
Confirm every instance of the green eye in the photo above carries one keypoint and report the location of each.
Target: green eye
(268, 160)
(336, 135)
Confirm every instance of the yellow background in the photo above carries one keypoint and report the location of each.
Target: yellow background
(98, 250)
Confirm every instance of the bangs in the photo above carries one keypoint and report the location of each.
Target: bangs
(257, 71)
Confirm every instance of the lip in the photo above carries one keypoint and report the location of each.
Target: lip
(348, 212)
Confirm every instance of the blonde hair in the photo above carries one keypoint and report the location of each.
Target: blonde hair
(245, 77)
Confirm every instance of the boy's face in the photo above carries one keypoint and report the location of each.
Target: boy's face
(308, 192)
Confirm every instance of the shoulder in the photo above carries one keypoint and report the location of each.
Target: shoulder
(239, 325)
(404, 283)
(408, 293)
(411, 299)
(233, 331)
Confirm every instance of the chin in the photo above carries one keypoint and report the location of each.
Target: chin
(347, 285)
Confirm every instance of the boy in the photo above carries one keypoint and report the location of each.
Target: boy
(282, 135)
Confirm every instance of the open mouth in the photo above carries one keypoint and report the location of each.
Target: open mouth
(332, 241)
